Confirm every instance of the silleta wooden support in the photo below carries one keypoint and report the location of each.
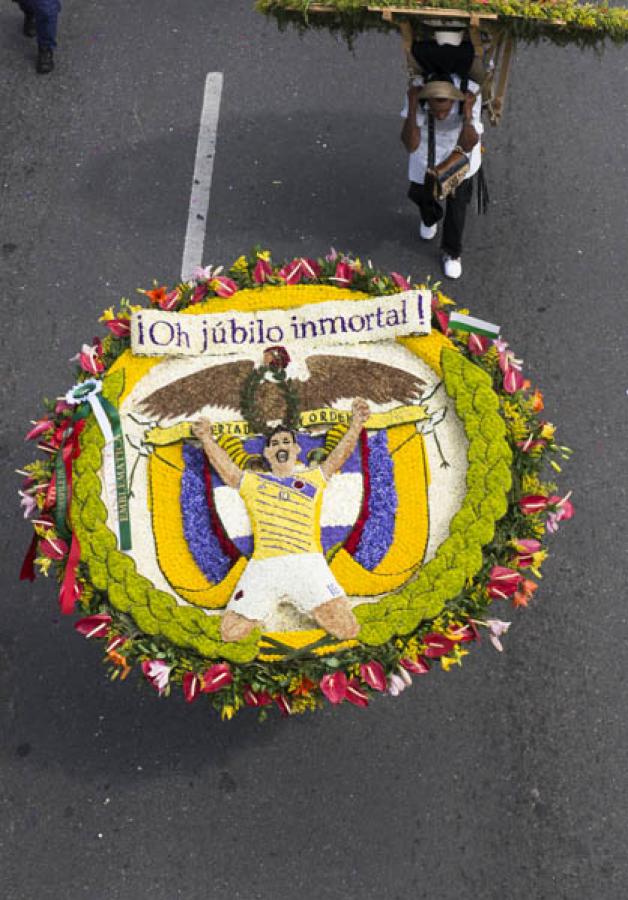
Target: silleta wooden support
(493, 51)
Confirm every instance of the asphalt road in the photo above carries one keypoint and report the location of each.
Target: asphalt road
(506, 779)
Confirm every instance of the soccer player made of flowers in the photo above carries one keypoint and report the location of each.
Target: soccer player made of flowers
(284, 506)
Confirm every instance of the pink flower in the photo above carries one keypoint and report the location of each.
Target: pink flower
(530, 444)
(562, 512)
(418, 666)
(157, 672)
(216, 678)
(93, 626)
(496, 628)
(401, 282)
(28, 503)
(513, 380)
(532, 504)
(503, 582)
(332, 256)
(89, 358)
(119, 327)
(262, 271)
(373, 674)
(478, 344)
(41, 426)
(396, 684)
(199, 293)
(334, 687)
(344, 273)
(223, 286)
(191, 684)
(356, 694)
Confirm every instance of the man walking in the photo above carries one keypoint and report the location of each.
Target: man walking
(40, 18)
(439, 118)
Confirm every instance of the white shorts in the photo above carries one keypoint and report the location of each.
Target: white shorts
(304, 579)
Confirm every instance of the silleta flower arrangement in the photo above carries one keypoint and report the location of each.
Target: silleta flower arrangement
(286, 485)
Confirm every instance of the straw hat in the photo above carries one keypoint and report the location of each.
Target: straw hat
(440, 87)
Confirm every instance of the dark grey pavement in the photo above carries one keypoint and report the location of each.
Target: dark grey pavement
(504, 781)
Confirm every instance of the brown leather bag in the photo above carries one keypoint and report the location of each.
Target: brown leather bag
(442, 180)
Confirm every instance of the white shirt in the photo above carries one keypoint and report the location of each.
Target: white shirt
(446, 134)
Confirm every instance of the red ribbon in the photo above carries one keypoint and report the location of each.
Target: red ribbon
(70, 589)
(27, 572)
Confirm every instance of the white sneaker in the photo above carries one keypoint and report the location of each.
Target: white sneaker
(428, 232)
(452, 267)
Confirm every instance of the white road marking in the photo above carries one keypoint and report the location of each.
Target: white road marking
(203, 170)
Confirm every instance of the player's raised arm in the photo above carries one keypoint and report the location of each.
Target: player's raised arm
(219, 458)
(340, 454)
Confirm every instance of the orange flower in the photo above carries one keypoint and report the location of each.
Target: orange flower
(119, 660)
(304, 688)
(537, 401)
(157, 295)
(525, 593)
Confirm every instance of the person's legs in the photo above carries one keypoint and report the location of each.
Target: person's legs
(431, 210)
(46, 15)
(455, 215)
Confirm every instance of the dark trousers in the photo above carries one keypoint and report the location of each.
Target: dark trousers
(46, 13)
(455, 213)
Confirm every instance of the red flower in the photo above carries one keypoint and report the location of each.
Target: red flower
(262, 271)
(298, 269)
(400, 281)
(532, 504)
(437, 645)
(478, 344)
(94, 626)
(374, 675)
(356, 694)
(119, 327)
(284, 705)
(216, 678)
(199, 293)
(89, 358)
(256, 698)
(417, 666)
(443, 320)
(334, 687)
(513, 380)
(503, 582)
(223, 286)
(116, 641)
(53, 548)
(191, 686)
(157, 672)
(40, 427)
(344, 273)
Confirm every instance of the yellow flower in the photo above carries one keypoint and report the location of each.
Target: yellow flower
(227, 712)
(240, 265)
(264, 254)
(547, 431)
(107, 315)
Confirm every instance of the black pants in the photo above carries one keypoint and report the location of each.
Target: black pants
(455, 213)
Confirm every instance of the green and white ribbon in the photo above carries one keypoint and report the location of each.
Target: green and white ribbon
(114, 460)
(471, 324)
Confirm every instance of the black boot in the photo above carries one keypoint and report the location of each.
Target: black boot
(45, 62)
(29, 28)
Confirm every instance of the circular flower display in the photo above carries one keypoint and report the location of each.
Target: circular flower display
(292, 484)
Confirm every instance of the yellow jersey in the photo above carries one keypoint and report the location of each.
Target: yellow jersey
(285, 513)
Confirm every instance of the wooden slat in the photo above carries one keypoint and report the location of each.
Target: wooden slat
(426, 11)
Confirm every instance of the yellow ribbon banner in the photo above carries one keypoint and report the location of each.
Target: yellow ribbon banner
(401, 415)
